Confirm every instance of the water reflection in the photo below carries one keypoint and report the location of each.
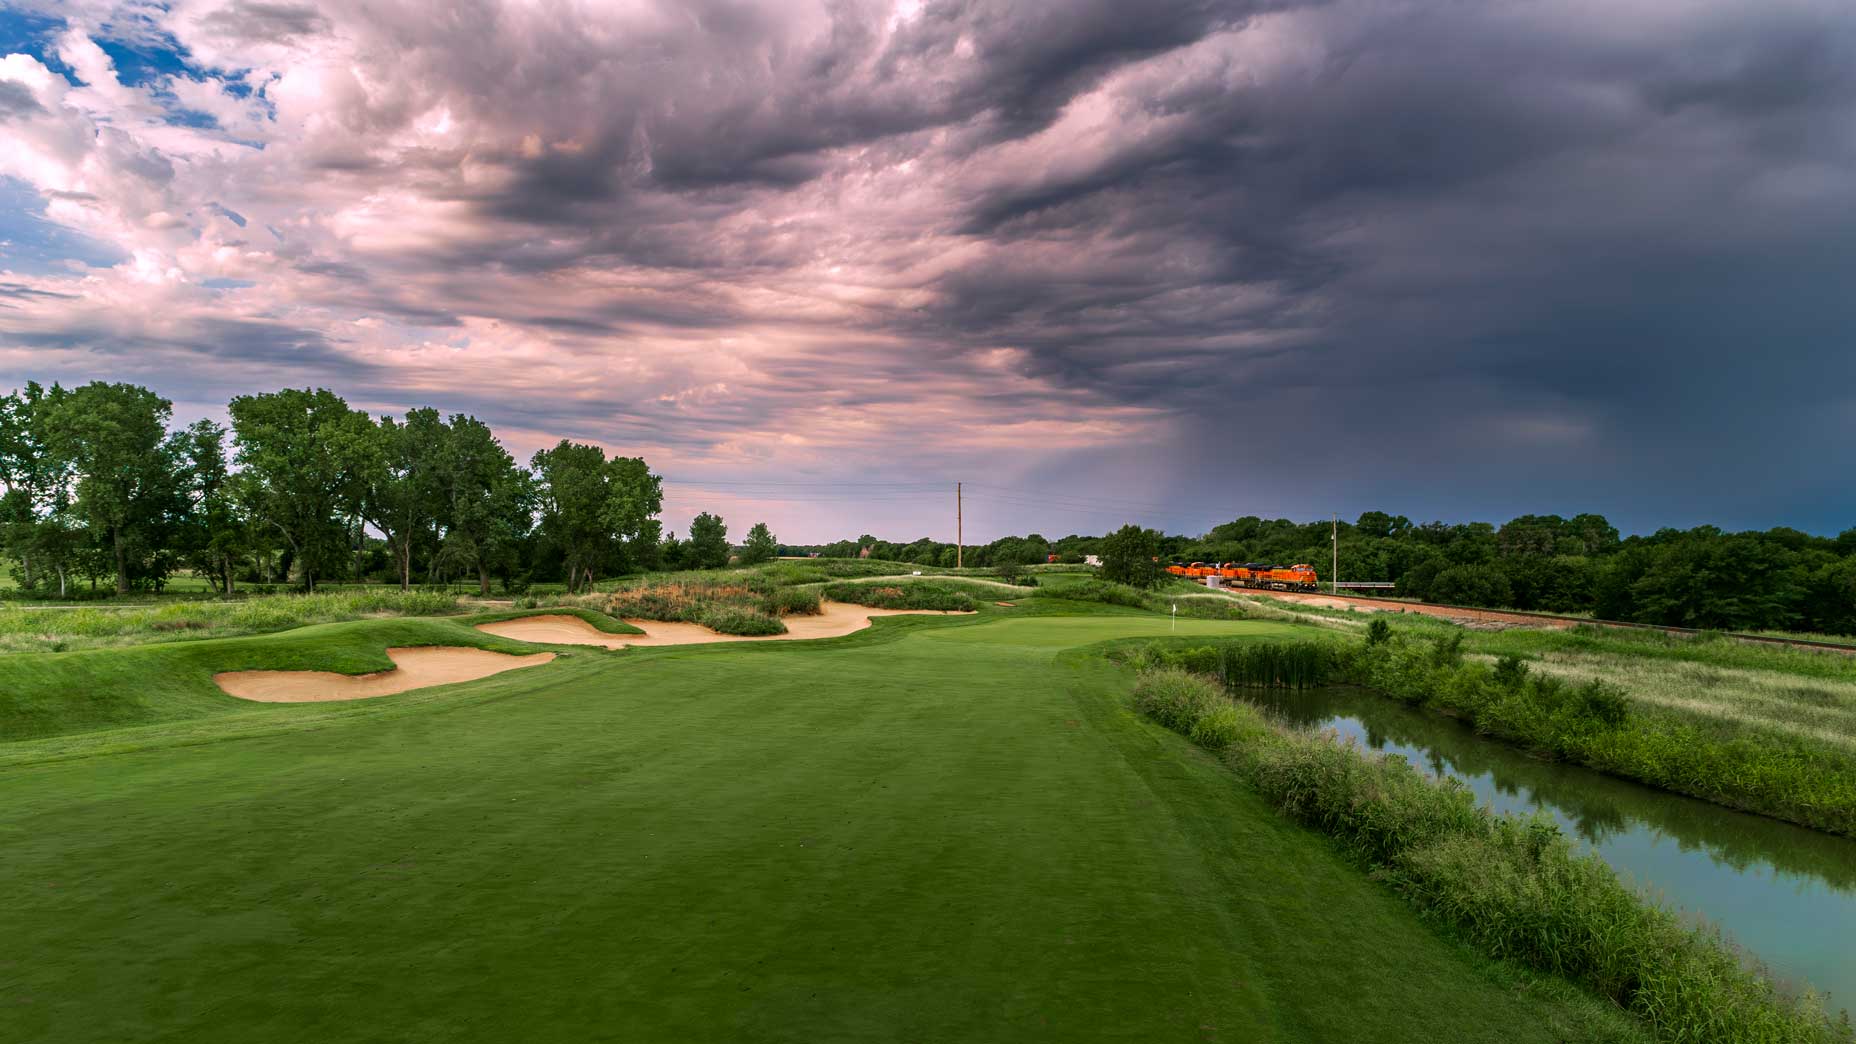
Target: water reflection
(1786, 894)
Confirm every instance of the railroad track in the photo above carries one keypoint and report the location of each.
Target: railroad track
(1521, 615)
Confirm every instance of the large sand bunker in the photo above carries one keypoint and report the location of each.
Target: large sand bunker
(413, 669)
(836, 619)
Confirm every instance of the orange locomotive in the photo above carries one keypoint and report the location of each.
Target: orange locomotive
(1250, 574)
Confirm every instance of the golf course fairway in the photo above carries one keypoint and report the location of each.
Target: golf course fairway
(937, 829)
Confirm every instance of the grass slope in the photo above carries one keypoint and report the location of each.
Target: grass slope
(921, 832)
(58, 694)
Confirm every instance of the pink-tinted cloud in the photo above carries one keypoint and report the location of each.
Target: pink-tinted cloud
(1058, 246)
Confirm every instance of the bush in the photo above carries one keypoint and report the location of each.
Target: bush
(724, 619)
(793, 600)
(1176, 699)
(901, 596)
(1218, 728)
(1378, 632)
(1510, 671)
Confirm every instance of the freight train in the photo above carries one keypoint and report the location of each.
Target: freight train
(1250, 574)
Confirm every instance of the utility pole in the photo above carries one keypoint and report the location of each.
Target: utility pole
(959, 536)
(1334, 577)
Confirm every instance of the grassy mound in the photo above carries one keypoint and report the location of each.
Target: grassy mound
(56, 694)
(901, 595)
(25, 629)
(600, 621)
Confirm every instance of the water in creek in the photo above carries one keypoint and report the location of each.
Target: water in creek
(1784, 893)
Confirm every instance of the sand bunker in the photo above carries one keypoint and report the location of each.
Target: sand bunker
(413, 669)
(837, 619)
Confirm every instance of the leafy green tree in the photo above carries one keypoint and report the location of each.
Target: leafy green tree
(634, 500)
(35, 492)
(593, 509)
(487, 501)
(306, 455)
(760, 545)
(1472, 585)
(214, 531)
(1129, 556)
(114, 437)
(401, 496)
(708, 548)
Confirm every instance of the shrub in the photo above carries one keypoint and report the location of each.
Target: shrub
(793, 600)
(901, 596)
(1605, 703)
(1106, 593)
(1510, 671)
(1378, 632)
(726, 619)
(1217, 728)
(1176, 699)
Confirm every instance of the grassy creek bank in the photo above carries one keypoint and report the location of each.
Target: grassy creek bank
(1516, 888)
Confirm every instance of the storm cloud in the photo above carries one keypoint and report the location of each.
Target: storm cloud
(1173, 262)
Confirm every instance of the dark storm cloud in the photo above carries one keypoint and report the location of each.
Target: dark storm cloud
(1441, 258)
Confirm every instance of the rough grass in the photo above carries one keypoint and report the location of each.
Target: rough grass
(1515, 888)
(1700, 744)
(24, 629)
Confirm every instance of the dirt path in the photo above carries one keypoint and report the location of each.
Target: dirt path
(837, 619)
(413, 669)
(1483, 618)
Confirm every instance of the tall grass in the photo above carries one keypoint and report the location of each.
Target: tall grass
(901, 595)
(1276, 665)
(1515, 888)
(1596, 723)
(51, 630)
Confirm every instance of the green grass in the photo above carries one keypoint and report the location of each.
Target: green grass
(938, 829)
(599, 620)
(39, 629)
(59, 694)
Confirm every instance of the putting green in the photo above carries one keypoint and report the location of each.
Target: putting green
(937, 830)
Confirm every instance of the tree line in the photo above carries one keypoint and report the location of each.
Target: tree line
(1776, 579)
(303, 489)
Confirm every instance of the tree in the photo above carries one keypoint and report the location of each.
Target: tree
(400, 496)
(34, 523)
(214, 531)
(487, 502)
(593, 509)
(760, 546)
(708, 545)
(1129, 556)
(306, 456)
(1472, 585)
(114, 437)
(634, 499)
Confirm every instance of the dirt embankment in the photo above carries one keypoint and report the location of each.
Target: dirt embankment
(1480, 618)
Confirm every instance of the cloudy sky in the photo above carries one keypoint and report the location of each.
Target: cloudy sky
(1103, 261)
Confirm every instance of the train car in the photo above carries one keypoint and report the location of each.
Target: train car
(1260, 576)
